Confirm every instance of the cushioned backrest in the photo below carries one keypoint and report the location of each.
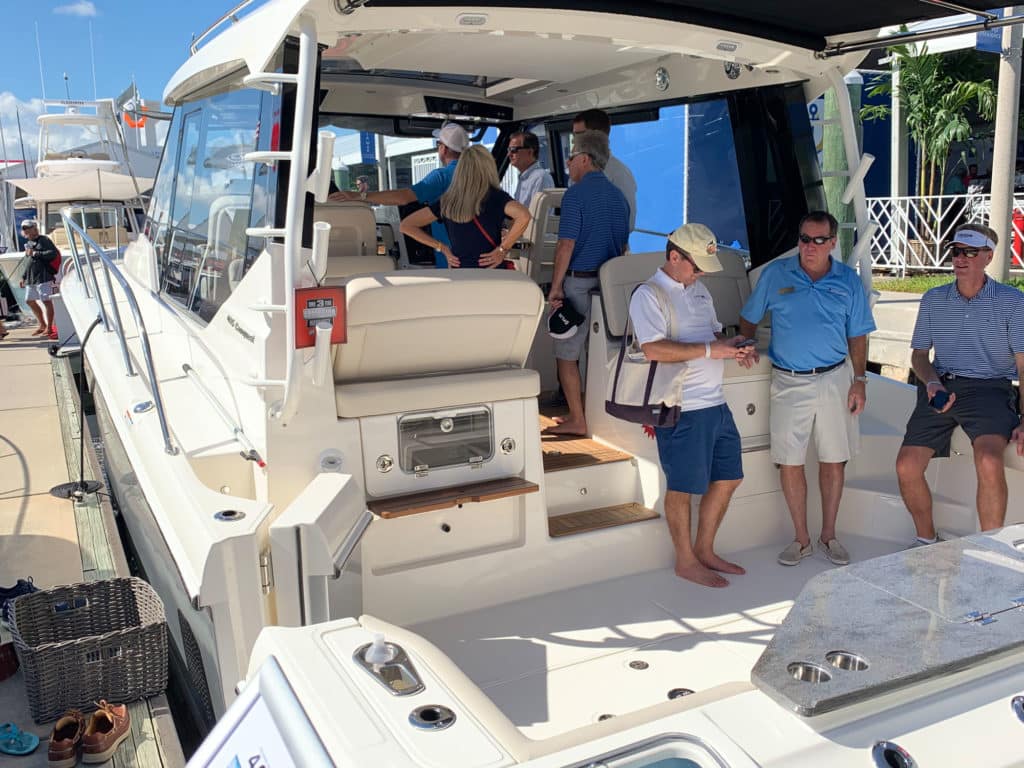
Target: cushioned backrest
(353, 228)
(403, 324)
(619, 276)
(542, 233)
(544, 216)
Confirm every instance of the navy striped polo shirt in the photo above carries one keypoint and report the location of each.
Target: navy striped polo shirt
(975, 338)
(596, 215)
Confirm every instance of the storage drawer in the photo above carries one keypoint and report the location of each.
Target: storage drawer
(749, 402)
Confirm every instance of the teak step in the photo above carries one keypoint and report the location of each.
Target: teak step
(571, 452)
(443, 498)
(595, 519)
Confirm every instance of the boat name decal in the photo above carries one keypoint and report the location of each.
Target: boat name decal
(241, 331)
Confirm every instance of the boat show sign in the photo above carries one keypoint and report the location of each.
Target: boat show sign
(368, 147)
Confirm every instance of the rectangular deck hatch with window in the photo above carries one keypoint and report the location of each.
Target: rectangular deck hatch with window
(447, 439)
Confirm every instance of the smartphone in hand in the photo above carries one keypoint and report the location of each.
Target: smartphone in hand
(939, 400)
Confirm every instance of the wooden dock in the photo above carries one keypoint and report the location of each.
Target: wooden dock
(56, 541)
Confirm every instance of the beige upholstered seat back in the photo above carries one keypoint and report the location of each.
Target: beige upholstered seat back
(619, 276)
(541, 233)
(408, 324)
(353, 228)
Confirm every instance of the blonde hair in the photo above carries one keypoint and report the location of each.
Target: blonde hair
(475, 175)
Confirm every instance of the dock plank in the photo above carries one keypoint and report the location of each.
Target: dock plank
(153, 742)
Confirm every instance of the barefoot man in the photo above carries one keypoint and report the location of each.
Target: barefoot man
(701, 453)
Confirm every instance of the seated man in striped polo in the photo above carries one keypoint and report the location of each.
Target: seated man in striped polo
(976, 327)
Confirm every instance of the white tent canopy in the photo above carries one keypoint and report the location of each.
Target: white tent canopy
(87, 185)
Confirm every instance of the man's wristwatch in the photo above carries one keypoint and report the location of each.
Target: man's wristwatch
(860, 378)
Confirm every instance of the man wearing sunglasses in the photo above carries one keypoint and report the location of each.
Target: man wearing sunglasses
(524, 156)
(976, 327)
(820, 322)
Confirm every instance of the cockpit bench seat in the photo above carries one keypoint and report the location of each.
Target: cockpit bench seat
(435, 339)
(425, 393)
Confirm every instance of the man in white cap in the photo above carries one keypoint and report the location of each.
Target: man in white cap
(976, 327)
(452, 141)
(701, 453)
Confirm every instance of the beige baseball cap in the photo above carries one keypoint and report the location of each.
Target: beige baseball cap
(700, 244)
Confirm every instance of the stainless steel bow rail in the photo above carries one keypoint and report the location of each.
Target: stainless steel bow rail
(74, 231)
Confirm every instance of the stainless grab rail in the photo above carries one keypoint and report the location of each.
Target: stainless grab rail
(72, 228)
(249, 452)
(232, 15)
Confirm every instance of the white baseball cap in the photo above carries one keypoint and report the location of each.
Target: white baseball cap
(453, 136)
(973, 238)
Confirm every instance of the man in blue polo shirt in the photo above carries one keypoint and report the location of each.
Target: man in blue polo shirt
(820, 314)
(976, 327)
(594, 227)
(452, 141)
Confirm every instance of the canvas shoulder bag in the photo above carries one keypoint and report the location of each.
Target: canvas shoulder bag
(640, 390)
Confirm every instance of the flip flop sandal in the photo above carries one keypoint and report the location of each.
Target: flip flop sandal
(14, 741)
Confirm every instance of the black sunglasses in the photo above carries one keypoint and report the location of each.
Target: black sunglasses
(969, 253)
(819, 240)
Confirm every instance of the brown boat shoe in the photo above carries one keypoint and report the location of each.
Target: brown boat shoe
(65, 739)
(108, 727)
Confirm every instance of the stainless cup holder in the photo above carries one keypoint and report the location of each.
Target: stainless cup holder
(432, 717)
(806, 672)
(847, 661)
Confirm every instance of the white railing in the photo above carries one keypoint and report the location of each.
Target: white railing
(913, 232)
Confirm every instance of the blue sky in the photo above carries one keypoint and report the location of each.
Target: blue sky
(144, 38)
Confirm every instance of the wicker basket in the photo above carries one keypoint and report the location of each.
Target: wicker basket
(84, 642)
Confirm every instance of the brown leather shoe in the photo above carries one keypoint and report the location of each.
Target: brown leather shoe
(65, 739)
(108, 727)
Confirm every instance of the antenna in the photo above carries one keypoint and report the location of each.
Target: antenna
(39, 56)
(21, 138)
(92, 55)
(67, 86)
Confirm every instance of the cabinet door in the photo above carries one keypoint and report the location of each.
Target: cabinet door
(748, 401)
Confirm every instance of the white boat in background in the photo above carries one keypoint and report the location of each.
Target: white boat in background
(83, 160)
(325, 445)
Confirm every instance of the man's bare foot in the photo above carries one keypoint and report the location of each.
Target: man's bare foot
(715, 563)
(39, 332)
(699, 574)
(566, 427)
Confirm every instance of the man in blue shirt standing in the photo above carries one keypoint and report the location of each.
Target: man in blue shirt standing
(976, 327)
(594, 227)
(524, 155)
(452, 141)
(820, 314)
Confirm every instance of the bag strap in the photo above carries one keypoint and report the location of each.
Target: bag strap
(664, 304)
(484, 232)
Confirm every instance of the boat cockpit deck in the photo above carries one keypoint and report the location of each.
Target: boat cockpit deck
(563, 660)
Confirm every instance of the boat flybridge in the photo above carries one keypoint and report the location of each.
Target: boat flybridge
(329, 461)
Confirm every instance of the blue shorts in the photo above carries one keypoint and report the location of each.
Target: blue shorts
(702, 448)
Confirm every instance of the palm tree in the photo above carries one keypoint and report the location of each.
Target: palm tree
(937, 94)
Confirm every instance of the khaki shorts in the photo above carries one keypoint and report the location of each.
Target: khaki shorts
(815, 404)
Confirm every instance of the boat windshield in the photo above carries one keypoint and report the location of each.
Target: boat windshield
(74, 140)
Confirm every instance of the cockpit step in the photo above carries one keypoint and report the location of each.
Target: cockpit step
(443, 498)
(595, 519)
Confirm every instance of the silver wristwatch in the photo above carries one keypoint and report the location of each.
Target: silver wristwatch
(860, 378)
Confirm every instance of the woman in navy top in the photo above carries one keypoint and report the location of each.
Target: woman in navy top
(473, 211)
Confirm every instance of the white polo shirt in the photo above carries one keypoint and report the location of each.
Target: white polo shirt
(695, 321)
